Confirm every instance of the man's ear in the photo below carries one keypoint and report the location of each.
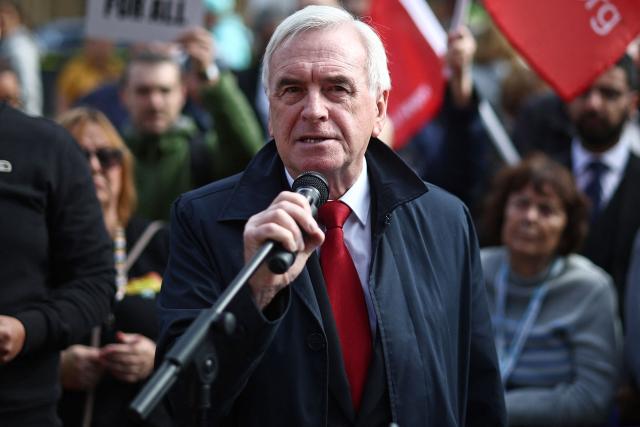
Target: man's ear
(634, 100)
(184, 91)
(381, 112)
(269, 124)
(123, 96)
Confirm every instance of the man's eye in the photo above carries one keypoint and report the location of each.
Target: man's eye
(611, 94)
(291, 90)
(339, 89)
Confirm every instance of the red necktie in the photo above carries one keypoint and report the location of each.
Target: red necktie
(346, 297)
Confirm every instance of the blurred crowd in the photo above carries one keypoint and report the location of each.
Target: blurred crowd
(559, 229)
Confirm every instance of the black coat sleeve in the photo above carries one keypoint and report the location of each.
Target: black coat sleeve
(81, 273)
(204, 258)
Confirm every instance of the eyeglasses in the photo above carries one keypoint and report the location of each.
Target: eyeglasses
(108, 157)
(523, 204)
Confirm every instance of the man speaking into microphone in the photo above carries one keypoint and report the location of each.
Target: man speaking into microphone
(382, 316)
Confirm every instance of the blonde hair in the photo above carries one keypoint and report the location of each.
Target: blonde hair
(75, 121)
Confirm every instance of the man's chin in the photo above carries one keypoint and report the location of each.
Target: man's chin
(600, 143)
(154, 129)
(600, 139)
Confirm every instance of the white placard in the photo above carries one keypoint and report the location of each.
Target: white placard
(141, 20)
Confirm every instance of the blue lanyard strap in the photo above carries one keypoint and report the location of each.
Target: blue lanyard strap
(508, 355)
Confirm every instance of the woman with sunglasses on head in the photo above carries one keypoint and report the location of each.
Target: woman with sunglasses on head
(101, 377)
(555, 313)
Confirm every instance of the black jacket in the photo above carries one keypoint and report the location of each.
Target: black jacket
(56, 261)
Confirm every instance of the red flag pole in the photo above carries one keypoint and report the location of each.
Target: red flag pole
(490, 119)
(497, 133)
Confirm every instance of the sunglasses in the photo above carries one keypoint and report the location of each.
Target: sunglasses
(108, 157)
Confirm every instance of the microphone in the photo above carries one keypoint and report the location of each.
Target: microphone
(314, 187)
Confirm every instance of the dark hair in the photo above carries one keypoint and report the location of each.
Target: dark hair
(541, 172)
(630, 70)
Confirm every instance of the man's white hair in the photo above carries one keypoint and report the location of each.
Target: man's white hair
(325, 17)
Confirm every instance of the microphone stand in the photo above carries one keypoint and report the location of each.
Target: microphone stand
(192, 346)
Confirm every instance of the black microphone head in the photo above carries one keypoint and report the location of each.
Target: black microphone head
(313, 180)
(314, 187)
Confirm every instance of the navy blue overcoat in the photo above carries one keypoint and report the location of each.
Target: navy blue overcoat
(427, 289)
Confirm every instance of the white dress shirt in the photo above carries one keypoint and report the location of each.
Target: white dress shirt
(615, 158)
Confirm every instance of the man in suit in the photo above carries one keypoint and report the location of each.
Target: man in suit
(401, 332)
(590, 136)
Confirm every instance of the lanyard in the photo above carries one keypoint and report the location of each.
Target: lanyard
(508, 355)
(120, 258)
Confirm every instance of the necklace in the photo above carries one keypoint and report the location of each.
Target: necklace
(120, 259)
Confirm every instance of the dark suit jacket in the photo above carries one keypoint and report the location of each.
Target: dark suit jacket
(610, 240)
(435, 362)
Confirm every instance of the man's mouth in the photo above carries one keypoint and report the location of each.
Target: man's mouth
(313, 139)
(154, 114)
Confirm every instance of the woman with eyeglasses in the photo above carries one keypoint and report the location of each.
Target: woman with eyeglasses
(101, 377)
(555, 313)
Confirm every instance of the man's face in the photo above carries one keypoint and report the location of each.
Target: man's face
(154, 96)
(601, 112)
(322, 112)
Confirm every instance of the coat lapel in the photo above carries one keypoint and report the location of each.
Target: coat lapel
(303, 288)
(375, 401)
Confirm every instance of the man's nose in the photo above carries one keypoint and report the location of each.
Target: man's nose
(315, 108)
(593, 98)
(156, 98)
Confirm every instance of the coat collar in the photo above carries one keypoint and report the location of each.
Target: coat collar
(392, 182)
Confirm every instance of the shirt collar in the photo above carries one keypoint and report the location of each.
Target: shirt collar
(615, 157)
(358, 197)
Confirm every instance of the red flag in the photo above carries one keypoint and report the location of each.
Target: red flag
(568, 42)
(415, 43)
